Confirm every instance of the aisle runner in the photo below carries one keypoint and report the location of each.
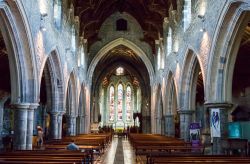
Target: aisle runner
(119, 158)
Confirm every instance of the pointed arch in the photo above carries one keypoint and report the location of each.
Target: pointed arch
(120, 41)
(54, 81)
(17, 34)
(190, 64)
(171, 95)
(71, 95)
(222, 57)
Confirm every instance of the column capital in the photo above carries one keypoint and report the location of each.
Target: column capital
(224, 105)
(33, 105)
(186, 111)
(21, 106)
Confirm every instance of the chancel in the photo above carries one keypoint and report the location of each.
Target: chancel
(126, 81)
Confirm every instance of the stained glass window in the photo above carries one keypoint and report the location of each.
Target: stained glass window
(119, 71)
(138, 94)
(119, 103)
(128, 103)
(112, 103)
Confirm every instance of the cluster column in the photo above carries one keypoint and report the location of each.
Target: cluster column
(169, 125)
(185, 120)
(82, 124)
(59, 122)
(223, 119)
(30, 124)
(146, 124)
(71, 121)
(20, 125)
(54, 125)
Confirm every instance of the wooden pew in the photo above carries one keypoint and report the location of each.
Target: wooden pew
(167, 150)
(199, 159)
(46, 156)
(87, 139)
(146, 144)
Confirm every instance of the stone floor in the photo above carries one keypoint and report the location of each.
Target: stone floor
(119, 152)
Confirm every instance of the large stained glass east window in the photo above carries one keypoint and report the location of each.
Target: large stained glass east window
(119, 103)
(112, 103)
(128, 104)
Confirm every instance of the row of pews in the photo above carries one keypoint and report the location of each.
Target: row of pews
(54, 151)
(158, 149)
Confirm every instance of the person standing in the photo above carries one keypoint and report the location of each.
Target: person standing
(39, 136)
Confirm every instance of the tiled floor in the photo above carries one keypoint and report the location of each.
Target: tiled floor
(119, 152)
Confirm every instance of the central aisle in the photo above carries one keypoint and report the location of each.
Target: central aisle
(119, 152)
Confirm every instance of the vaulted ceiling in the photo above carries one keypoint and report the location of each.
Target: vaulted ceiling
(149, 14)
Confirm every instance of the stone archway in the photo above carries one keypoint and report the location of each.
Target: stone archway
(22, 58)
(112, 45)
(51, 91)
(223, 55)
(71, 107)
(23, 70)
(222, 59)
(115, 43)
(191, 77)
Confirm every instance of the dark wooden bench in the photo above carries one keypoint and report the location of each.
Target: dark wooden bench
(46, 156)
(198, 159)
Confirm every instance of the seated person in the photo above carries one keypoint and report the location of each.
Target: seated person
(72, 146)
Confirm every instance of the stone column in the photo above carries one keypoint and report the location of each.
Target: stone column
(82, 124)
(146, 125)
(223, 108)
(71, 122)
(185, 120)
(20, 125)
(169, 125)
(59, 125)
(30, 124)
(54, 125)
(74, 125)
